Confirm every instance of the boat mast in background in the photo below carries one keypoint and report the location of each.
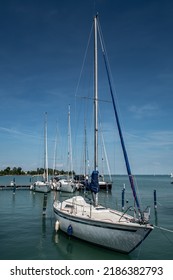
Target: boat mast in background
(45, 151)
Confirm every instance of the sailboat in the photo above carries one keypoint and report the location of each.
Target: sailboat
(43, 186)
(171, 178)
(66, 183)
(92, 222)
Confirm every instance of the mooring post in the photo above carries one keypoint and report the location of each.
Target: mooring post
(123, 195)
(44, 203)
(155, 199)
(155, 215)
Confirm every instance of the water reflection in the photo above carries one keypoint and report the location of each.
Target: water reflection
(43, 227)
(76, 249)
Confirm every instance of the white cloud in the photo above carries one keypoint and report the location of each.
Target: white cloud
(147, 110)
(15, 132)
(151, 153)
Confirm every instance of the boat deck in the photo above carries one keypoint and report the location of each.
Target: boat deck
(77, 206)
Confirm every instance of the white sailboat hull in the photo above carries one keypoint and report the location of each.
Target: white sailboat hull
(101, 226)
(66, 186)
(41, 187)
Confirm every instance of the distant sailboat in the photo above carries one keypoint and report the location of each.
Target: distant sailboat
(67, 184)
(43, 186)
(93, 222)
(171, 178)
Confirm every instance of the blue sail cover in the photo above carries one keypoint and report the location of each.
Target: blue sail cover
(94, 185)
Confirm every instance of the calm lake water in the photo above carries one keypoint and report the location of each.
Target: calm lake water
(26, 234)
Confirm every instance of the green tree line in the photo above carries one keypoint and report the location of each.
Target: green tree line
(18, 171)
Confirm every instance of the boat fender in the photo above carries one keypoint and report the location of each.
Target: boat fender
(69, 230)
(57, 226)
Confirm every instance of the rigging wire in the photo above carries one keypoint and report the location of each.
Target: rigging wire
(83, 63)
(131, 178)
(77, 95)
(105, 153)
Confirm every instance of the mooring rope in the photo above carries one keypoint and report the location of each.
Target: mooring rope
(164, 229)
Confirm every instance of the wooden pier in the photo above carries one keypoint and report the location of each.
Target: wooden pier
(17, 187)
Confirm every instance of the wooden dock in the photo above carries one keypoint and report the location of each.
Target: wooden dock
(18, 187)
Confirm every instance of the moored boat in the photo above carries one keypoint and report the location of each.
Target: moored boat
(104, 227)
(43, 186)
(91, 221)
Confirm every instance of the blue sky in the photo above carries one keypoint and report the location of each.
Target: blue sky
(42, 47)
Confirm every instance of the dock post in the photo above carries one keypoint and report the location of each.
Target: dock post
(155, 215)
(155, 199)
(123, 195)
(44, 203)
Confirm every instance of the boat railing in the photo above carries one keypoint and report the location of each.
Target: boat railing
(130, 208)
(75, 208)
(143, 216)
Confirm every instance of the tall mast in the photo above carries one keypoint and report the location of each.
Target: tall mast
(45, 147)
(85, 152)
(94, 177)
(55, 151)
(95, 96)
(70, 169)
